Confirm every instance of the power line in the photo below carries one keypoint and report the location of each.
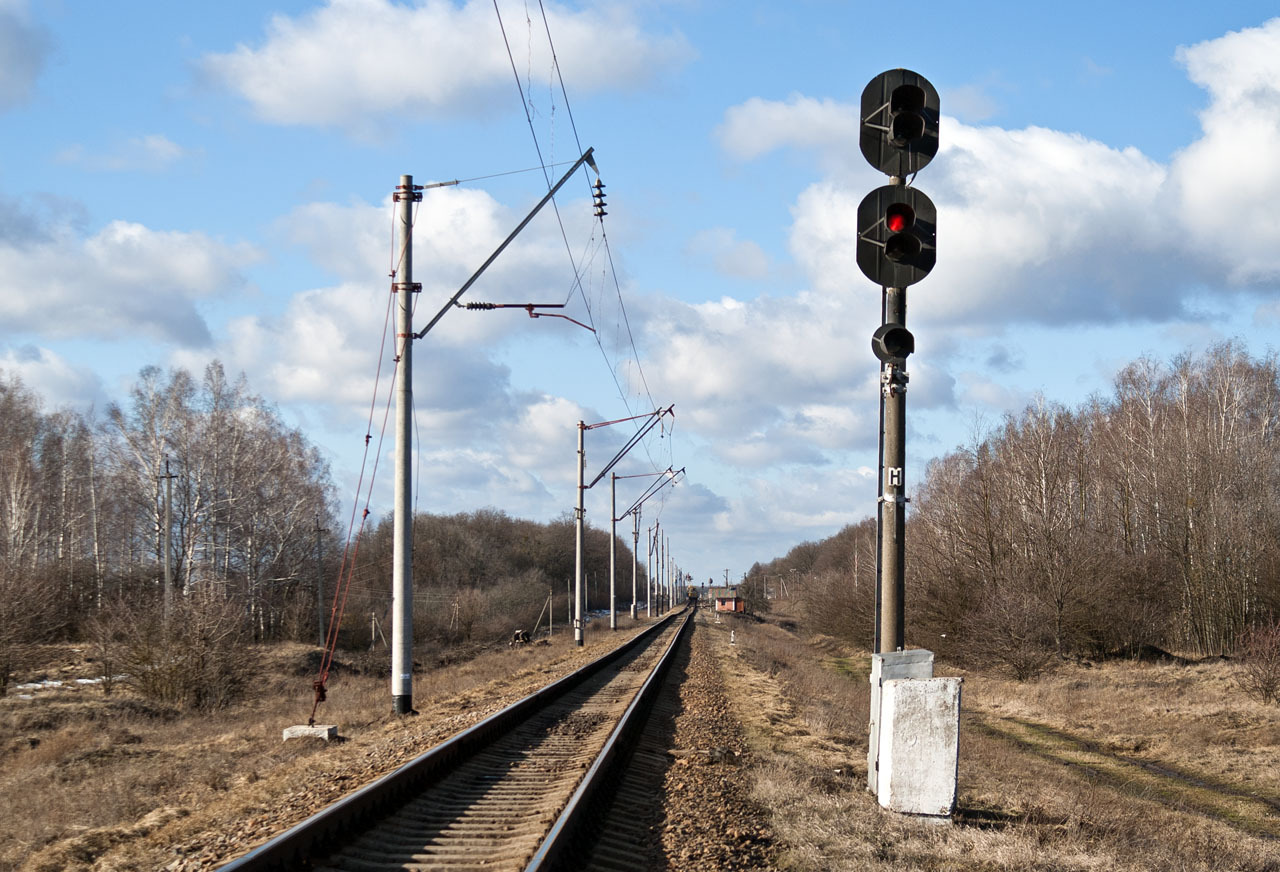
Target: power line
(577, 273)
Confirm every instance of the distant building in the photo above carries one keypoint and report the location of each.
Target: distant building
(727, 599)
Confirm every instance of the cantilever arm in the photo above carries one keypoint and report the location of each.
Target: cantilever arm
(587, 159)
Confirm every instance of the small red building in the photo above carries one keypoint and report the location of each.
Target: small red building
(727, 599)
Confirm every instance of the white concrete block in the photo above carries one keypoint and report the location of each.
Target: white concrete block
(919, 745)
(328, 732)
(917, 663)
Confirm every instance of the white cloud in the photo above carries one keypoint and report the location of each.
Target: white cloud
(127, 279)
(728, 255)
(757, 127)
(455, 231)
(969, 102)
(1040, 226)
(1034, 225)
(153, 152)
(351, 62)
(980, 389)
(53, 378)
(24, 48)
(1037, 225)
(325, 348)
(807, 503)
(1228, 181)
(767, 381)
(542, 438)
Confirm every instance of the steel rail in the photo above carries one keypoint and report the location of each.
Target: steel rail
(347, 817)
(567, 831)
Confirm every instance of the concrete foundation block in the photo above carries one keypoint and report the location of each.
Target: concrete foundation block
(919, 745)
(328, 732)
(916, 663)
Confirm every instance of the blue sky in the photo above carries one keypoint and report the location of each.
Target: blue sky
(180, 182)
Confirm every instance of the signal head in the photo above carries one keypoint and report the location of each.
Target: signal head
(892, 342)
(900, 111)
(897, 236)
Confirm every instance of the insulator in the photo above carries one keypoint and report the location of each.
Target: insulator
(482, 306)
(598, 202)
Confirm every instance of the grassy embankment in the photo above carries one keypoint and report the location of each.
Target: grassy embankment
(110, 781)
(1119, 766)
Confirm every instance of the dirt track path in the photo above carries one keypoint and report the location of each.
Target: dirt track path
(1232, 804)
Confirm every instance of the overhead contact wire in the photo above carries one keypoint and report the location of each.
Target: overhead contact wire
(564, 93)
(577, 282)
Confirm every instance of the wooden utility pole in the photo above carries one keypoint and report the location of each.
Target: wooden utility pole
(167, 534)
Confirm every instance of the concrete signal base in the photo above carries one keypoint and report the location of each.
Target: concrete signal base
(915, 732)
(919, 744)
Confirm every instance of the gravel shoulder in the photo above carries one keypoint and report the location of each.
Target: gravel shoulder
(710, 821)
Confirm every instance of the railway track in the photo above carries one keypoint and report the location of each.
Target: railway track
(514, 792)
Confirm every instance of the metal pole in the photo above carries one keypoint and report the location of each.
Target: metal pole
(671, 569)
(613, 550)
(672, 581)
(648, 574)
(891, 629)
(551, 612)
(658, 568)
(402, 539)
(879, 569)
(635, 558)
(662, 574)
(579, 518)
(672, 578)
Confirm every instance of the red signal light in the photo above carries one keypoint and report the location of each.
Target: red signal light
(898, 217)
(901, 246)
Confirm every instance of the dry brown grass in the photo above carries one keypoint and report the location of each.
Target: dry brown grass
(1055, 774)
(1123, 766)
(112, 782)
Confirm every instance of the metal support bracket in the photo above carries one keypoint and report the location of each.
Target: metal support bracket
(893, 380)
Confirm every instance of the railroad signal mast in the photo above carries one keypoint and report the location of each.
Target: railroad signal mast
(915, 718)
(896, 247)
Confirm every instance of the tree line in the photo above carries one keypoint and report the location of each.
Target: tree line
(82, 506)
(255, 544)
(480, 575)
(1148, 517)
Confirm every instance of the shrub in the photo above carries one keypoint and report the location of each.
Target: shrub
(199, 659)
(1260, 663)
(29, 615)
(1013, 629)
